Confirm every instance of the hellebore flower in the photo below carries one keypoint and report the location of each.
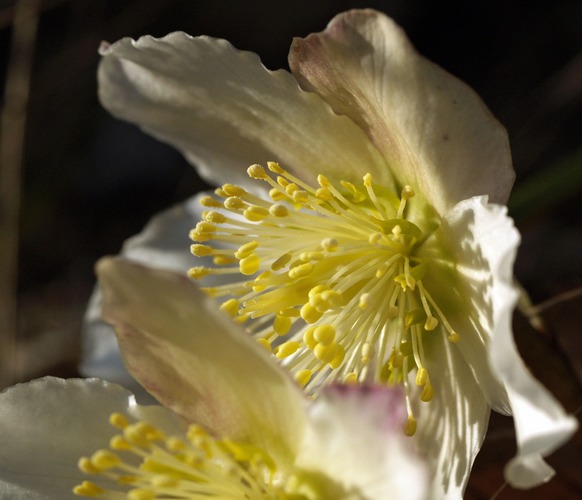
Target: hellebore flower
(234, 424)
(381, 249)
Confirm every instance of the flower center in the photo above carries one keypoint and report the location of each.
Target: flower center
(143, 464)
(336, 277)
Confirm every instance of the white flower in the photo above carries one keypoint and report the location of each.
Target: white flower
(252, 432)
(382, 249)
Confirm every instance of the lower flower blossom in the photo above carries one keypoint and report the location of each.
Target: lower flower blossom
(232, 424)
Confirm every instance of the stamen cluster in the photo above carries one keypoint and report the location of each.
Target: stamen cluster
(142, 463)
(335, 287)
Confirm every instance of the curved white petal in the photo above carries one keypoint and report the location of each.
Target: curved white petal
(355, 436)
(225, 111)
(435, 132)
(48, 424)
(195, 361)
(163, 243)
(475, 235)
(485, 257)
(452, 426)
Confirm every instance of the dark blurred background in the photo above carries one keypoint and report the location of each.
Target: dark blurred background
(86, 181)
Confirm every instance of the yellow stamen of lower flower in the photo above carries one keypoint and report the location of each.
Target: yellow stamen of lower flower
(336, 277)
(195, 465)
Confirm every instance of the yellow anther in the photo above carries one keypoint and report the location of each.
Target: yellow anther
(397, 231)
(118, 420)
(454, 337)
(286, 349)
(264, 343)
(257, 286)
(309, 313)
(231, 307)
(300, 271)
(275, 167)
(309, 337)
(431, 323)
(119, 443)
(302, 377)
(257, 172)
(421, 377)
(105, 459)
(324, 334)
(427, 392)
(209, 201)
(323, 181)
(291, 312)
(214, 217)
(250, 265)
(246, 249)
(291, 189)
(325, 353)
(367, 180)
(407, 192)
(337, 361)
(254, 213)
(332, 298)
(300, 196)
(350, 378)
(85, 465)
(282, 182)
(281, 262)
(324, 194)
(278, 210)
(88, 489)
(200, 250)
(198, 272)
(234, 203)
(410, 426)
(277, 195)
(139, 494)
(282, 324)
(233, 190)
(329, 244)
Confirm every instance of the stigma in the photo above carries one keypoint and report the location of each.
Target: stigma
(329, 278)
(142, 463)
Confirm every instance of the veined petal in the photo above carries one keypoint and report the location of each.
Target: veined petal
(225, 111)
(187, 354)
(487, 245)
(435, 132)
(355, 436)
(48, 424)
(163, 243)
(452, 426)
(478, 236)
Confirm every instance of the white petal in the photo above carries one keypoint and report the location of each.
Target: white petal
(451, 427)
(196, 361)
(355, 436)
(48, 424)
(164, 244)
(435, 132)
(491, 246)
(225, 111)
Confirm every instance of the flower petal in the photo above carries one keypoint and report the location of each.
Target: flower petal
(435, 132)
(163, 243)
(451, 427)
(225, 111)
(355, 435)
(195, 361)
(48, 424)
(485, 255)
